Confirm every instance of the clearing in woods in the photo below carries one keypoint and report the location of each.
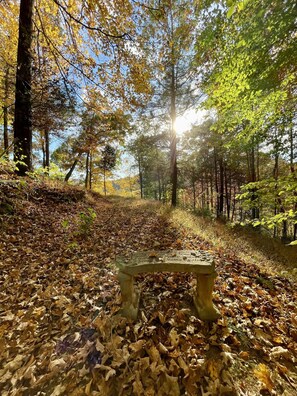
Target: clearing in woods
(59, 295)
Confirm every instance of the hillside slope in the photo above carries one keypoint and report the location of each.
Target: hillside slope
(59, 296)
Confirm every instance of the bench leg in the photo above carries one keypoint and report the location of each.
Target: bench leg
(203, 297)
(130, 297)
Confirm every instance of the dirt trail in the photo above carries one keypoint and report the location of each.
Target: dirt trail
(59, 295)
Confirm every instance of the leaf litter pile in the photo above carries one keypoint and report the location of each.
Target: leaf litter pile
(60, 331)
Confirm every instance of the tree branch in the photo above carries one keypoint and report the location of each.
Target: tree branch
(120, 36)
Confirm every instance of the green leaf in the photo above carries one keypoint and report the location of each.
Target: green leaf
(231, 11)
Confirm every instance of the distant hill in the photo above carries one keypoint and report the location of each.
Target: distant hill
(125, 187)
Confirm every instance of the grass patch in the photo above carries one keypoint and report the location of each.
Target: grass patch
(248, 245)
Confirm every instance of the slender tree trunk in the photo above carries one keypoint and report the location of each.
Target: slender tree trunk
(163, 190)
(278, 202)
(234, 204)
(67, 177)
(202, 192)
(173, 156)
(275, 175)
(253, 178)
(47, 150)
(211, 191)
(91, 171)
(43, 151)
(293, 173)
(248, 155)
(216, 184)
(87, 170)
(228, 197)
(258, 162)
(140, 178)
(23, 105)
(207, 194)
(221, 192)
(159, 186)
(104, 181)
(241, 217)
(194, 194)
(5, 111)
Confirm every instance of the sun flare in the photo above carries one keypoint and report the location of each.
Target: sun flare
(188, 119)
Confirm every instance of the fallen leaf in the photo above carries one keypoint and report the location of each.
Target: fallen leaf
(174, 337)
(244, 355)
(262, 372)
(137, 346)
(279, 352)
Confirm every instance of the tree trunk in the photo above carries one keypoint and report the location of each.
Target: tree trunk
(233, 204)
(228, 196)
(91, 171)
(159, 186)
(221, 192)
(173, 158)
(104, 180)
(87, 170)
(194, 194)
(67, 177)
(253, 178)
(23, 105)
(258, 162)
(292, 157)
(207, 194)
(47, 151)
(275, 175)
(5, 112)
(43, 151)
(216, 183)
(202, 192)
(140, 178)
(211, 191)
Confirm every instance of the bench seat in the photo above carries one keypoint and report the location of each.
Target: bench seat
(198, 262)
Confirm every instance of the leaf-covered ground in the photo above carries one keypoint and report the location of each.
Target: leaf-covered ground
(59, 298)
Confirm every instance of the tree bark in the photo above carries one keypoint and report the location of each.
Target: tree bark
(275, 175)
(173, 158)
(216, 183)
(221, 188)
(43, 151)
(5, 111)
(194, 194)
(211, 191)
(228, 195)
(140, 178)
(202, 192)
(104, 180)
(47, 150)
(159, 186)
(292, 157)
(91, 170)
(23, 99)
(253, 178)
(87, 170)
(67, 177)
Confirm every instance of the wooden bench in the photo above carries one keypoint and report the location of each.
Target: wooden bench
(199, 262)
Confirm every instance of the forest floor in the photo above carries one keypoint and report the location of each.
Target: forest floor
(59, 298)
